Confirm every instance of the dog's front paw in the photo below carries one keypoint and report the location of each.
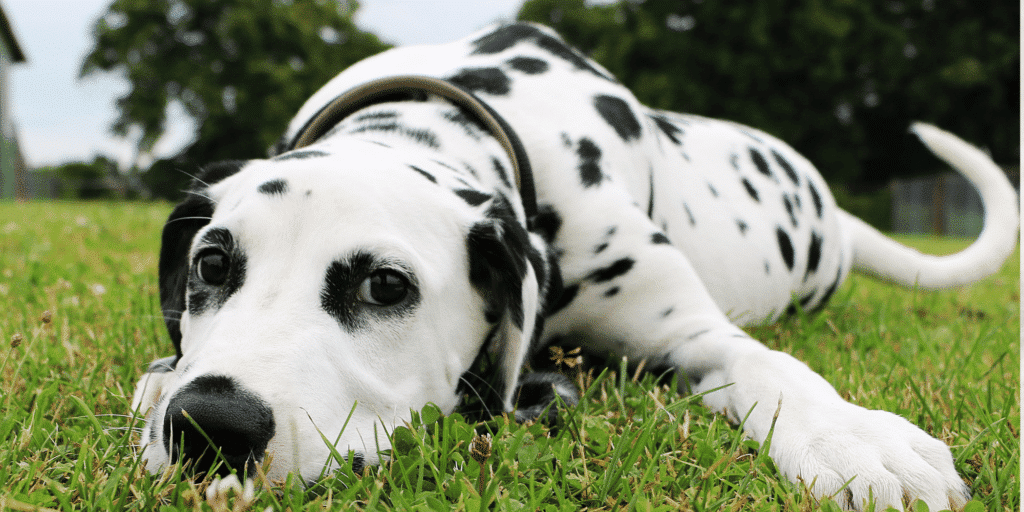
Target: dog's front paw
(851, 453)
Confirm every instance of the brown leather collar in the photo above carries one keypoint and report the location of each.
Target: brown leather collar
(386, 88)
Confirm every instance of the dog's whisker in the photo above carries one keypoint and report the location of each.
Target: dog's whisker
(471, 387)
(193, 176)
(194, 193)
(189, 218)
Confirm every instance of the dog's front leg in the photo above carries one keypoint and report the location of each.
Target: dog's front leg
(816, 436)
(645, 300)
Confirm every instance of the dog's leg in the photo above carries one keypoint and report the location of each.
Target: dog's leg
(642, 298)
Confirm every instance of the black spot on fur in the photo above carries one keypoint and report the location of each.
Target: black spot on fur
(813, 254)
(216, 172)
(613, 291)
(786, 166)
(742, 226)
(500, 171)
(376, 115)
(425, 174)
(473, 197)
(616, 112)
(785, 247)
(616, 269)
(510, 35)
(714, 192)
(590, 157)
(751, 190)
(818, 206)
(358, 463)
(564, 52)
(689, 215)
(422, 136)
(547, 222)
(504, 38)
(489, 80)
(789, 209)
(300, 155)
(751, 135)
(528, 65)
(831, 289)
(650, 194)
(761, 163)
(273, 187)
(567, 296)
(667, 312)
(469, 123)
(670, 130)
(659, 238)
(498, 261)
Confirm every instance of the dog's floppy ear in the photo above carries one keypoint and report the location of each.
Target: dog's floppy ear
(508, 266)
(187, 218)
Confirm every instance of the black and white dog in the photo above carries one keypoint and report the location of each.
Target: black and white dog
(436, 211)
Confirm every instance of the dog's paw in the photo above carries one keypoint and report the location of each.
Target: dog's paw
(850, 453)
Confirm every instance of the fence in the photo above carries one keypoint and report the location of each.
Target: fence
(944, 204)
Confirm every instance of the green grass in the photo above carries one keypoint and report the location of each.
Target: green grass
(79, 293)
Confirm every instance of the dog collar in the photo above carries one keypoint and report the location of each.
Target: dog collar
(385, 89)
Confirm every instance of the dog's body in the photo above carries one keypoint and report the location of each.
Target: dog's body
(367, 272)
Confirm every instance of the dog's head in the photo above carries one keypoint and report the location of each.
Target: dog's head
(313, 301)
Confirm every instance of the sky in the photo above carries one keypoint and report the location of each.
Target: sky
(61, 118)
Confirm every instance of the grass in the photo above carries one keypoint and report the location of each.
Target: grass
(81, 321)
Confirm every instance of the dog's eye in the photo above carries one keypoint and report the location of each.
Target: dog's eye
(212, 266)
(384, 288)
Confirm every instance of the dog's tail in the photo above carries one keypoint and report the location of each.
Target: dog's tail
(883, 257)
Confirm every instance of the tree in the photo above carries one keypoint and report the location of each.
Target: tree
(98, 179)
(240, 68)
(841, 80)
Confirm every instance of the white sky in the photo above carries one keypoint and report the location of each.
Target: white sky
(61, 118)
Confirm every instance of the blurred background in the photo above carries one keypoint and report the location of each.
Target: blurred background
(119, 100)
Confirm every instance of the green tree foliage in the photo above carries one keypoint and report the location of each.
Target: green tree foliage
(98, 179)
(240, 68)
(841, 80)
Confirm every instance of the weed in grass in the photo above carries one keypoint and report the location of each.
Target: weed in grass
(948, 361)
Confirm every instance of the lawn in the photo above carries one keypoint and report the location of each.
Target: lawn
(80, 321)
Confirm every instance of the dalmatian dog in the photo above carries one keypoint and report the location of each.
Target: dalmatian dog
(437, 215)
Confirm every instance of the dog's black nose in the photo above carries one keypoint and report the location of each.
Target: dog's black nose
(213, 411)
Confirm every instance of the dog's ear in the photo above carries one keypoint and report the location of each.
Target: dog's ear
(510, 269)
(187, 218)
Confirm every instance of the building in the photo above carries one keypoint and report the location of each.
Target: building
(12, 165)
